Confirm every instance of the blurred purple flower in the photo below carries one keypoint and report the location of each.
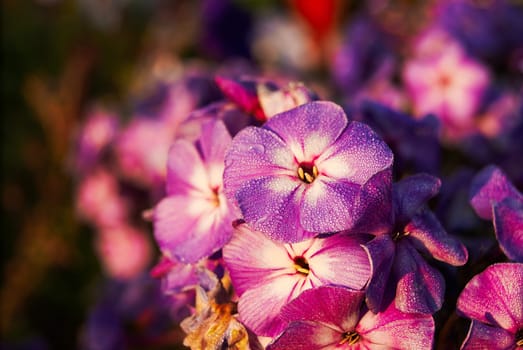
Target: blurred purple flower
(494, 197)
(194, 220)
(493, 300)
(96, 133)
(441, 79)
(414, 142)
(304, 172)
(399, 270)
(331, 318)
(268, 274)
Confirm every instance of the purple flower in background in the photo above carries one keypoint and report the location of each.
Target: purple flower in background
(494, 197)
(493, 300)
(399, 270)
(414, 142)
(304, 171)
(268, 274)
(330, 318)
(194, 220)
(446, 82)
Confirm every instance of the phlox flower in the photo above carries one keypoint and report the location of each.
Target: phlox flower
(330, 318)
(494, 197)
(400, 272)
(446, 83)
(493, 300)
(194, 220)
(267, 274)
(305, 171)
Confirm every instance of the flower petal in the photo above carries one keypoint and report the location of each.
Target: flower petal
(190, 228)
(356, 156)
(271, 205)
(428, 236)
(340, 259)
(337, 307)
(411, 193)
(186, 172)
(490, 186)
(508, 223)
(329, 205)
(397, 330)
(482, 336)
(420, 287)
(307, 335)
(253, 260)
(310, 128)
(269, 297)
(494, 296)
(381, 251)
(214, 142)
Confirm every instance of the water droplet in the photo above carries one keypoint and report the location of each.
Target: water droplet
(257, 148)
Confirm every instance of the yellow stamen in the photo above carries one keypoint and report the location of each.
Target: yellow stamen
(350, 338)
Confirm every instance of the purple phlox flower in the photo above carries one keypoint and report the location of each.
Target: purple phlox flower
(490, 30)
(264, 98)
(364, 56)
(267, 274)
(98, 199)
(214, 324)
(141, 151)
(441, 79)
(194, 220)
(493, 300)
(399, 270)
(124, 251)
(304, 172)
(330, 317)
(93, 138)
(414, 141)
(494, 197)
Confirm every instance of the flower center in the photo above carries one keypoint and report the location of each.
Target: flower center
(307, 172)
(350, 338)
(519, 337)
(301, 265)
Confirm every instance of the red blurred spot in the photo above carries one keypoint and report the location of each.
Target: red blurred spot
(319, 14)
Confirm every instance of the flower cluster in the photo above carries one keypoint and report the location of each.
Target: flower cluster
(285, 220)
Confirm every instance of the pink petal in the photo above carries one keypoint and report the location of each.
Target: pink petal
(482, 336)
(186, 172)
(495, 296)
(508, 223)
(214, 141)
(307, 335)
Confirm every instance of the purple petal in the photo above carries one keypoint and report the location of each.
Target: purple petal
(420, 287)
(214, 142)
(186, 172)
(356, 156)
(397, 330)
(381, 251)
(329, 260)
(428, 236)
(269, 297)
(191, 228)
(494, 296)
(242, 93)
(482, 336)
(271, 204)
(310, 128)
(508, 223)
(411, 193)
(255, 153)
(329, 205)
(337, 307)
(306, 335)
(376, 205)
(254, 260)
(490, 186)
